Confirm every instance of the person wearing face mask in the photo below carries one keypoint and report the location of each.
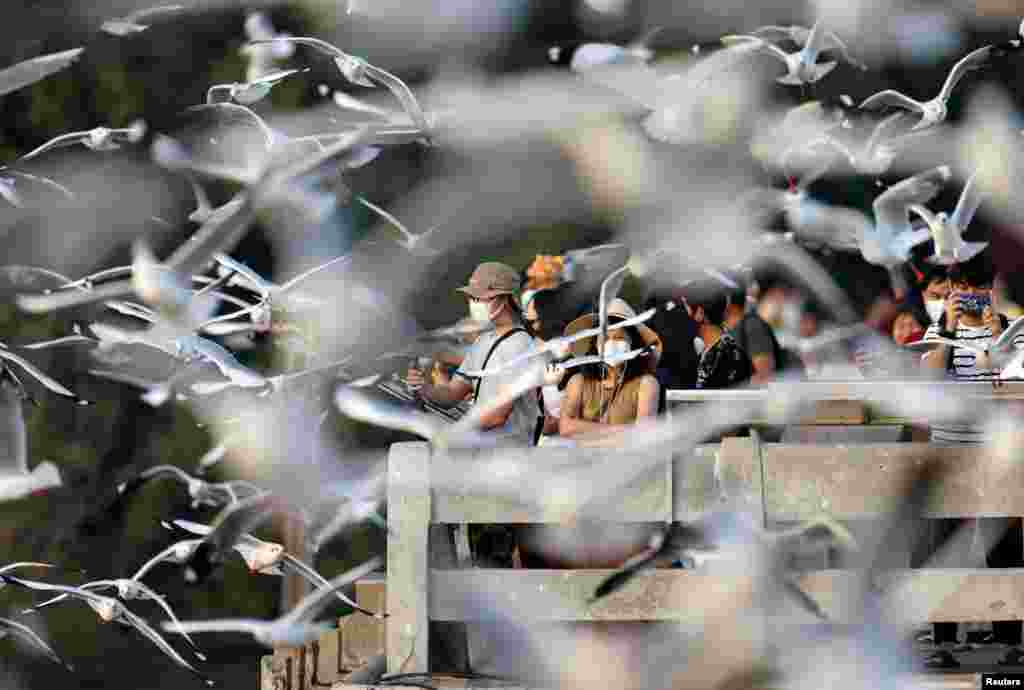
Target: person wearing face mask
(723, 363)
(541, 311)
(970, 316)
(601, 399)
(491, 292)
(934, 289)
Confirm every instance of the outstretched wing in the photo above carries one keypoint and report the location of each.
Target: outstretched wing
(319, 581)
(890, 98)
(972, 61)
(31, 71)
(967, 205)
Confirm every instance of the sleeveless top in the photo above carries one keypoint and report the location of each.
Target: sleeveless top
(609, 405)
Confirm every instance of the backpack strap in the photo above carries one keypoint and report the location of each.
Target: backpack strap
(494, 346)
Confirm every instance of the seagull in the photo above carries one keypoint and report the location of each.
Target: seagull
(109, 610)
(8, 191)
(252, 91)
(594, 55)
(934, 111)
(271, 559)
(877, 154)
(890, 242)
(134, 23)
(414, 244)
(262, 59)
(16, 481)
(30, 71)
(227, 530)
(97, 139)
(76, 337)
(358, 71)
(201, 492)
(126, 589)
(155, 280)
(948, 231)
(682, 540)
(7, 357)
(802, 67)
(10, 627)
(800, 35)
(559, 347)
(294, 628)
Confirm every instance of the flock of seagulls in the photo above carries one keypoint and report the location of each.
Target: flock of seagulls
(172, 308)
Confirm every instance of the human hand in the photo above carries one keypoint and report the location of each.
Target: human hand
(553, 374)
(414, 377)
(953, 311)
(992, 320)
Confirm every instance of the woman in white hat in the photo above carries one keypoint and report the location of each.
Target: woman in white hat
(601, 399)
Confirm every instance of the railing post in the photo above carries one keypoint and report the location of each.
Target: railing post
(408, 567)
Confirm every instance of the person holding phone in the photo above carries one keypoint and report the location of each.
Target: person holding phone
(970, 316)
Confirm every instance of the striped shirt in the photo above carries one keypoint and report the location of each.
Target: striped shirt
(963, 367)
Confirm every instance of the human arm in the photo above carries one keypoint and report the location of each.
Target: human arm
(444, 395)
(936, 359)
(762, 356)
(571, 423)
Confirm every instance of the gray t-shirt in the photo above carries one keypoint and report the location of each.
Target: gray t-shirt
(523, 418)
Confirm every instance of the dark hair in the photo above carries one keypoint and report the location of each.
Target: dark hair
(931, 274)
(711, 296)
(549, 312)
(634, 367)
(978, 272)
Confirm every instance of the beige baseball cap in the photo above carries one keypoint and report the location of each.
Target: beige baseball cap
(492, 279)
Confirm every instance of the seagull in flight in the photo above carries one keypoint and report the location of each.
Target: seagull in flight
(948, 231)
(111, 610)
(30, 71)
(294, 628)
(7, 358)
(126, 589)
(138, 21)
(269, 558)
(16, 481)
(414, 244)
(891, 240)
(590, 56)
(11, 628)
(934, 111)
(252, 91)
(97, 139)
(800, 36)
(801, 67)
(359, 71)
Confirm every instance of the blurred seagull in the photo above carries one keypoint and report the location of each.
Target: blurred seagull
(800, 36)
(7, 357)
(10, 628)
(414, 244)
(16, 481)
(934, 111)
(594, 55)
(802, 67)
(110, 610)
(948, 231)
(201, 492)
(253, 91)
(358, 71)
(263, 59)
(294, 628)
(134, 23)
(30, 71)
(126, 589)
(97, 139)
(890, 242)
(268, 558)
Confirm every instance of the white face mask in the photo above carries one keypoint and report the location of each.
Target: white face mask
(698, 346)
(934, 307)
(616, 347)
(480, 311)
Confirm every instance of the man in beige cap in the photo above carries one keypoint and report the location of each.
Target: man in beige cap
(492, 292)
